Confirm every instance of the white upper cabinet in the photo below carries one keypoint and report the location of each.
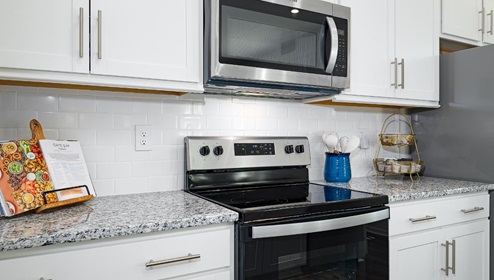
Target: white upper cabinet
(50, 35)
(468, 21)
(394, 53)
(146, 39)
(149, 44)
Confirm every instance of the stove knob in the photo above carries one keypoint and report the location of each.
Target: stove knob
(218, 150)
(289, 149)
(299, 149)
(204, 150)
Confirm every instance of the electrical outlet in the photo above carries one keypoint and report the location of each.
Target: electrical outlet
(143, 138)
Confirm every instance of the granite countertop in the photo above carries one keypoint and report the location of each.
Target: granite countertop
(401, 188)
(111, 216)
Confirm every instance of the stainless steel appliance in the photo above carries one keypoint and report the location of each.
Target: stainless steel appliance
(292, 49)
(456, 139)
(288, 228)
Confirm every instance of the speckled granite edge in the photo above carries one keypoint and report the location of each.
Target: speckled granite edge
(113, 216)
(402, 188)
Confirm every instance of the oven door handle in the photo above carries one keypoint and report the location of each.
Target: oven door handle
(333, 53)
(318, 226)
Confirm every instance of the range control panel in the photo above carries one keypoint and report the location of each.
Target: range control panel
(211, 153)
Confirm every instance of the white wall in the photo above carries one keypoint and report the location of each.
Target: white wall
(104, 124)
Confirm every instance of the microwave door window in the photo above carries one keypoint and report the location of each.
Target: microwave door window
(257, 39)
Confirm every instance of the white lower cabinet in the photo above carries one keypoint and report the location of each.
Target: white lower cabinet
(446, 238)
(126, 258)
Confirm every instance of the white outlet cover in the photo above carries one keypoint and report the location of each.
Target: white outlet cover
(143, 138)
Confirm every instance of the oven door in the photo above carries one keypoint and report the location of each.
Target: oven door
(353, 246)
(264, 41)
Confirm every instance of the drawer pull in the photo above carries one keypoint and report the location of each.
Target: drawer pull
(189, 257)
(474, 209)
(423, 219)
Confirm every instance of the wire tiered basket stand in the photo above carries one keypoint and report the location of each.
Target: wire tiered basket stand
(403, 167)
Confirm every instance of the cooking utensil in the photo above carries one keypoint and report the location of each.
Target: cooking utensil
(343, 143)
(352, 144)
(330, 139)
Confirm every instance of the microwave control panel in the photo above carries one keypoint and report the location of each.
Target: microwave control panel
(341, 67)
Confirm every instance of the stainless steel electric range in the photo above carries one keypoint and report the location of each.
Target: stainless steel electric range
(288, 228)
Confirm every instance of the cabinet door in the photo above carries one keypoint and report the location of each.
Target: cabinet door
(471, 252)
(462, 18)
(371, 31)
(416, 256)
(156, 39)
(417, 43)
(489, 21)
(45, 35)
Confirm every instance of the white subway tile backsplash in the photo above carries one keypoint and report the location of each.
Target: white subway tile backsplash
(288, 124)
(146, 106)
(299, 112)
(104, 123)
(87, 137)
(176, 108)
(128, 153)
(104, 187)
(77, 103)
(163, 122)
(254, 110)
(114, 105)
(95, 121)
(266, 124)
(37, 101)
(7, 100)
(114, 137)
(8, 134)
(113, 170)
(57, 120)
(128, 121)
(98, 154)
(16, 119)
(164, 183)
(191, 122)
(219, 123)
(307, 125)
(131, 185)
(147, 168)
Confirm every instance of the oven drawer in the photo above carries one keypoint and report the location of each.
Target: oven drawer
(425, 214)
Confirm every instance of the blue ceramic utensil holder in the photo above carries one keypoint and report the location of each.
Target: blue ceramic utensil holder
(337, 168)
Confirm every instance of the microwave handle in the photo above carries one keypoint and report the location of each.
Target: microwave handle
(334, 45)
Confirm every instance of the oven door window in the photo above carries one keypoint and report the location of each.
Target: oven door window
(278, 40)
(358, 253)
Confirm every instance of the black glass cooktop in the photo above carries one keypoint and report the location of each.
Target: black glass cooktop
(279, 201)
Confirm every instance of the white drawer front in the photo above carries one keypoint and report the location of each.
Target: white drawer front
(421, 215)
(127, 261)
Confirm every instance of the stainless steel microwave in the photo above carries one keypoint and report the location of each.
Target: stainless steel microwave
(293, 49)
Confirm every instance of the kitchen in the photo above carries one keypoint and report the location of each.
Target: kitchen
(104, 122)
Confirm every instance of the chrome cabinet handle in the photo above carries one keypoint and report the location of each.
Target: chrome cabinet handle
(423, 219)
(402, 63)
(453, 267)
(395, 62)
(189, 257)
(43, 278)
(482, 14)
(81, 32)
(334, 45)
(100, 27)
(474, 209)
(491, 14)
(447, 268)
